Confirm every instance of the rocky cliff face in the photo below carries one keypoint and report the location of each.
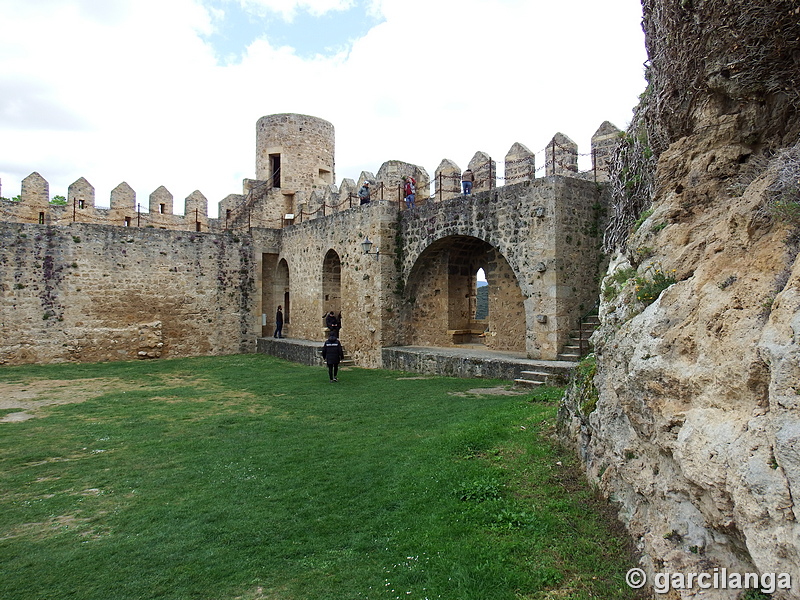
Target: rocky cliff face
(693, 421)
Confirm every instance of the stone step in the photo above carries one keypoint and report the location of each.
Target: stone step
(528, 383)
(585, 334)
(542, 377)
(570, 356)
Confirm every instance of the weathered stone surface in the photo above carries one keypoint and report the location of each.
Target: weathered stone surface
(695, 430)
(293, 238)
(90, 293)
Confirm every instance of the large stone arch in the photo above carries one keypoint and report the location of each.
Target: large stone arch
(441, 287)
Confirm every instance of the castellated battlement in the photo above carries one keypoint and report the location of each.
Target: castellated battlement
(295, 182)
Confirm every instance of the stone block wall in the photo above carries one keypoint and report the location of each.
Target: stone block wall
(323, 263)
(580, 219)
(91, 293)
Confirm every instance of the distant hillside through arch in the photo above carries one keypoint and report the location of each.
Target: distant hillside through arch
(482, 305)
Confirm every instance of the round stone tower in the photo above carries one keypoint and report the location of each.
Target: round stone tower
(295, 152)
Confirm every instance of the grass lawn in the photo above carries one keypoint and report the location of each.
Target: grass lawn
(247, 477)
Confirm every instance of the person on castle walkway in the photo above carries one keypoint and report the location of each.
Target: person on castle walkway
(278, 323)
(410, 190)
(363, 193)
(333, 353)
(467, 179)
(333, 324)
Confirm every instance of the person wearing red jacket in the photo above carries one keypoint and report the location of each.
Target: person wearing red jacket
(410, 190)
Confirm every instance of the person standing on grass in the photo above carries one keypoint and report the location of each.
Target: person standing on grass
(278, 323)
(333, 353)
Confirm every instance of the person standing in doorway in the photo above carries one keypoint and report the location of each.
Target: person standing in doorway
(467, 179)
(278, 323)
(333, 353)
(333, 324)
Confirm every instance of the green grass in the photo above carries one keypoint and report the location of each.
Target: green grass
(246, 477)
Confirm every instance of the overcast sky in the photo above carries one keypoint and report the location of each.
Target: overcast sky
(168, 92)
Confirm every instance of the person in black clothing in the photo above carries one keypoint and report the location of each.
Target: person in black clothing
(333, 324)
(278, 323)
(333, 353)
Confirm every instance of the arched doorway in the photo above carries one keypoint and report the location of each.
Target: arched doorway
(332, 283)
(274, 292)
(282, 289)
(442, 288)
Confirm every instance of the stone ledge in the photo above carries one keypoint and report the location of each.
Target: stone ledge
(300, 351)
(469, 363)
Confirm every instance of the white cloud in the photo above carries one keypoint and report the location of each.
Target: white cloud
(129, 91)
(289, 8)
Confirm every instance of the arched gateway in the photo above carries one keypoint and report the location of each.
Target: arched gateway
(444, 289)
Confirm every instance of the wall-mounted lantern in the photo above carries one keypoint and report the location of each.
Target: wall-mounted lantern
(366, 246)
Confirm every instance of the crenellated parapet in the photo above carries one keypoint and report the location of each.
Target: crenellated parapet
(559, 157)
(34, 206)
(295, 183)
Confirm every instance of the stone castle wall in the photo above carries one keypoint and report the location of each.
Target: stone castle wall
(199, 285)
(328, 271)
(92, 293)
(540, 252)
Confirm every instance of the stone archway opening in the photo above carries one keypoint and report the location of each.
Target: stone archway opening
(443, 289)
(332, 283)
(481, 296)
(282, 289)
(274, 291)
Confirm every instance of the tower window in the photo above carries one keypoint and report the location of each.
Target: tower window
(275, 170)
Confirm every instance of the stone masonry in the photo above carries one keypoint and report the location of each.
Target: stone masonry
(79, 282)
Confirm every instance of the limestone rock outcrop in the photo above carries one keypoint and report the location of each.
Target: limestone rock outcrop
(693, 424)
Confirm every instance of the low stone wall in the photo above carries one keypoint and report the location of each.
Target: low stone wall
(463, 363)
(299, 351)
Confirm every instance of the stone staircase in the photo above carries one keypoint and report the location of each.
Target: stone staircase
(547, 372)
(347, 361)
(557, 372)
(578, 344)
